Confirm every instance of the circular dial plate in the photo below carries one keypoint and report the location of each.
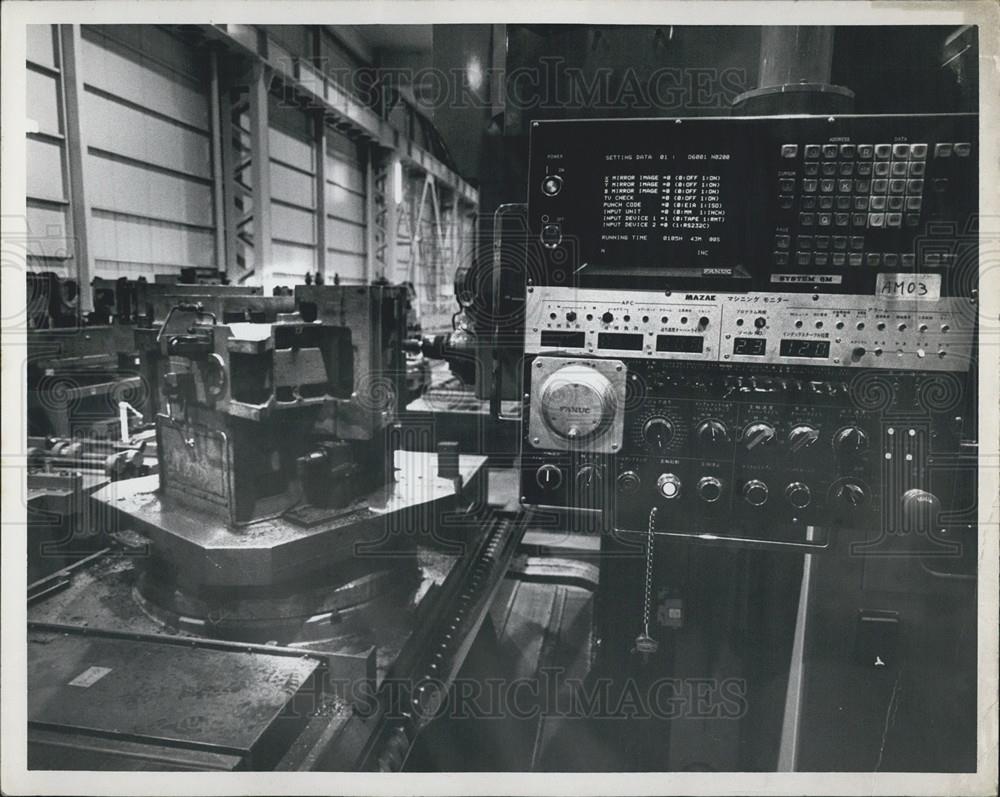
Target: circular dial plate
(578, 403)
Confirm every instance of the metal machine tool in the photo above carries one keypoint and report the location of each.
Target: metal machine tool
(286, 512)
(278, 496)
(61, 474)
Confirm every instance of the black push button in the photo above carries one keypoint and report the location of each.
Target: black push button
(551, 235)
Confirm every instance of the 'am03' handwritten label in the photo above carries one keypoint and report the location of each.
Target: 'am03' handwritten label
(908, 286)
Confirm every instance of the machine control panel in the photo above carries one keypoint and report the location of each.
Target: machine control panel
(902, 332)
(759, 327)
(760, 455)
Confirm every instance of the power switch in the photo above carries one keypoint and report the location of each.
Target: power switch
(551, 236)
(552, 185)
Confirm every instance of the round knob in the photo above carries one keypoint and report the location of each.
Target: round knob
(755, 492)
(571, 316)
(629, 482)
(607, 318)
(668, 485)
(658, 432)
(549, 477)
(709, 489)
(850, 441)
(802, 437)
(798, 495)
(578, 403)
(758, 435)
(589, 477)
(851, 494)
(712, 435)
(920, 509)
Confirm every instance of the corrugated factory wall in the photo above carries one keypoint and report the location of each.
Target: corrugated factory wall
(147, 172)
(291, 141)
(346, 166)
(148, 169)
(48, 221)
(433, 240)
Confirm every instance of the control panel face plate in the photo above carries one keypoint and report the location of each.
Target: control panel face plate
(925, 334)
(793, 302)
(791, 203)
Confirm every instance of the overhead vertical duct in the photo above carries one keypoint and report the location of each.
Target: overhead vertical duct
(795, 68)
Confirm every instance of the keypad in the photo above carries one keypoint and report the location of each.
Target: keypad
(845, 189)
(872, 180)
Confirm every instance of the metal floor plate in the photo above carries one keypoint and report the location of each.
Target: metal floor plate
(218, 701)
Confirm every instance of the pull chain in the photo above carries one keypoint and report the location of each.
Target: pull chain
(644, 643)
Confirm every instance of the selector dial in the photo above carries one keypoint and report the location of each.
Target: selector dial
(712, 435)
(755, 492)
(589, 477)
(758, 435)
(658, 432)
(668, 486)
(578, 402)
(798, 495)
(709, 489)
(802, 438)
(851, 494)
(549, 477)
(850, 441)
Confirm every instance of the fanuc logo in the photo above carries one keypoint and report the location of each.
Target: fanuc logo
(699, 297)
(575, 410)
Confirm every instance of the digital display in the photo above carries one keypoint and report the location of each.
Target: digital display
(677, 202)
(750, 347)
(618, 340)
(805, 348)
(688, 344)
(563, 339)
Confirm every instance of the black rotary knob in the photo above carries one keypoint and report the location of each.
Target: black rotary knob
(589, 478)
(755, 492)
(658, 432)
(709, 489)
(850, 441)
(798, 495)
(607, 318)
(758, 436)
(802, 437)
(712, 436)
(851, 494)
(549, 477)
